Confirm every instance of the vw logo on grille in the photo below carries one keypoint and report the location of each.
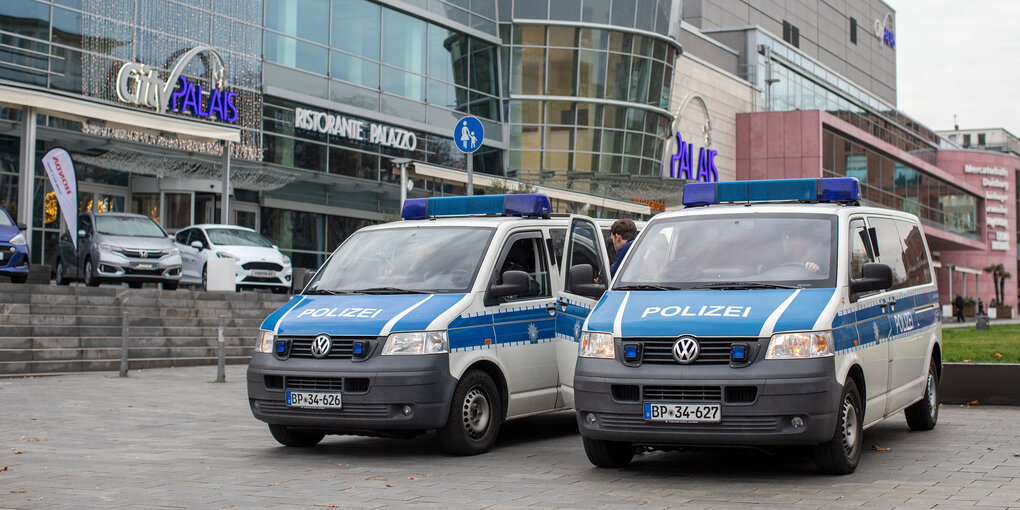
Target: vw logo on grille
(686, 350)
(321, 346)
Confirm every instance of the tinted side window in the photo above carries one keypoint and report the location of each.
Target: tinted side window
(558, 236)
(890, 250)
(85, 224)
(182, 236)
(584, 250)
(527, 255)
(915, 253)
(860, 249)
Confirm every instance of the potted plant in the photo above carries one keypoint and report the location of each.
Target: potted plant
(969, 307)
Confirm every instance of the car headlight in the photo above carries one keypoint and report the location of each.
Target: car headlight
(423, 342)
(265, 341)
(223, 255)
(597, 345)
(171, 251)
(286, 260)
(809, 344)
(108, 247)
(19, 239)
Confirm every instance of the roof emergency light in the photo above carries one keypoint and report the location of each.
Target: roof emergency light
(534, 204)
(832, 189)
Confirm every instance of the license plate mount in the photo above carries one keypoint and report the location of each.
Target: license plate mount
(682, 413)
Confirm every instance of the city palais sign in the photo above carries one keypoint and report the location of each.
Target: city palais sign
(139, 84)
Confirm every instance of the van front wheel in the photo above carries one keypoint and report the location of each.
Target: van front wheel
(475, 416)
(607, 454)
(292, 437)
(839, 455)
(925, 414)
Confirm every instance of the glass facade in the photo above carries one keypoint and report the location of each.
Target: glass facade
(887, 182)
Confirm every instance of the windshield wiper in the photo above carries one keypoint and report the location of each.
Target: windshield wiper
(645, 286)
(744, 285)
(323, 291)
(387, 290)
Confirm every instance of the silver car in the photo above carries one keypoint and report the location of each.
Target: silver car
(119, 247)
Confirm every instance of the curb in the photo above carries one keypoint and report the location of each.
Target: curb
(987, 383)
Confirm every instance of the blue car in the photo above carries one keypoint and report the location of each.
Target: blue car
(14, 259)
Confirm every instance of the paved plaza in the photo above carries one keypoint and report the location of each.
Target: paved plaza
(170, 438)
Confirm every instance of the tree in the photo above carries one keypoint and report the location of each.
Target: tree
(995, 270)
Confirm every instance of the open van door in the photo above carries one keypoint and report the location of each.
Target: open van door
(584, 272)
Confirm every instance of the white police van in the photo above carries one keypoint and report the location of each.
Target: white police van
(789, 316)
(457, 318)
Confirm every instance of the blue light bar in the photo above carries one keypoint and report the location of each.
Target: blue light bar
(534, 204)
(833, 189)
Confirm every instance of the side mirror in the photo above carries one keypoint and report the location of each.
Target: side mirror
(275, 247)
(197, 245)
(876, 277)
(21, 226)
(514, 283)
(81, 233)
(582, 281)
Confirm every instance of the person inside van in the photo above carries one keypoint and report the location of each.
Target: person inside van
(801, 246)
(622, 233)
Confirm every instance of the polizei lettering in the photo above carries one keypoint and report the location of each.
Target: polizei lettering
(354, 313)
(698, 311)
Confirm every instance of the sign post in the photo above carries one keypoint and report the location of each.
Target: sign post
(468, 136)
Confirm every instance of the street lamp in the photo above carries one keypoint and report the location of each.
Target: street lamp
(402, 163)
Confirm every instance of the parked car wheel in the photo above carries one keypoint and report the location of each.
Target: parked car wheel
(169, 284)
(60, 278)
(607, 454)
(19, 278)
(293, 437)
(925, 414)
(839, 455)
(205, 279)
(135, 285)
(280, 290)
(475, 416)
(90, 277)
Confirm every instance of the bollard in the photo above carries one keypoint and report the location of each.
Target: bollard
(124, 344)
(981, 322)
(221, 366)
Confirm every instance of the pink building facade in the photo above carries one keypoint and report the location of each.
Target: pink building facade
(966, 199)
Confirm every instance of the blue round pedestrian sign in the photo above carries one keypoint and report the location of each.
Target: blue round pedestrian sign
(468, 134)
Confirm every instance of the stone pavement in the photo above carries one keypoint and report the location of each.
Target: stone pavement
(169, 438)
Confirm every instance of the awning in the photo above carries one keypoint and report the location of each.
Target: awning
(78, 109)
(959, 269)
(449, 174)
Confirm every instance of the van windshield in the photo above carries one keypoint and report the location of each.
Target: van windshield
(734, 251)
(404, 260)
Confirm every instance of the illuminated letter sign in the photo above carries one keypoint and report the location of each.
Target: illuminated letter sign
(883, 33)
(345, 127)
(681, 166)
(138, 84)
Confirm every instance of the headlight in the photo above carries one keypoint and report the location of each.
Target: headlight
(810, 344)
(265, 342)
(424, 342)
(171, 251)
(223, 255)
(19, 239)
(597, 345)
(286, 260)
(108, 247)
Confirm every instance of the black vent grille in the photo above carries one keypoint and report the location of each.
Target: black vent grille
(143, 272)
(301, 346)
(714, 351)
(269, 266)
(741, 394)
(349, 410)
(137, 254)
(683, 393)
(315, 383)
(4, 254)
(737, 426)
(625, 392)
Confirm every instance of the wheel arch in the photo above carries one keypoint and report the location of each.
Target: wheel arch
(492, 370)
(857, 374)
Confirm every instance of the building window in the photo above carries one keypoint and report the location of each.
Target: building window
(966, 141)
(791, 34)
(853, 30)
(981, 139)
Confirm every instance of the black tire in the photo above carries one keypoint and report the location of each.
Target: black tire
(840, 455)
(280, 290)
(205, 279)
(169, 284)
(476, 414)
(924, 414)
(608, 454)
(292, 437)
(134, 285)
(91, 280)
(59, 277)
(19, 278)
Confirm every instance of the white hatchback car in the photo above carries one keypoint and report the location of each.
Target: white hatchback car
(259, 263)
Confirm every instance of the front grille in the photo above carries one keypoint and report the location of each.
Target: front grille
(315, 383)
(137, 254)
(301, 346)
(4, 255)
(349, 410)
(262, 265)
(730, 425)
(254, 279)
(714, 351)
(625, 392)
(683, 393)
(741, 394)
(143, 272)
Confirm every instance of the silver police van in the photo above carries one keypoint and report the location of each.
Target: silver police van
(458, 317)
(765, 313)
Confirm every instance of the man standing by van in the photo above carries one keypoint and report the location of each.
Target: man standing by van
(622, 233)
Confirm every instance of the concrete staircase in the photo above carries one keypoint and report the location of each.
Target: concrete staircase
(45, 329)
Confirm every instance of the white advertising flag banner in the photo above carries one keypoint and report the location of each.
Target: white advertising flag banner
(65, 185)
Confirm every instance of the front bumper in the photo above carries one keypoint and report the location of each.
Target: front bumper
(261, 274)
(115, 266)
(757, 402)
(373, 392)
(14, 259)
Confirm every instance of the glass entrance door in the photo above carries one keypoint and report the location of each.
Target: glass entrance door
(100, 201)
(245, 215)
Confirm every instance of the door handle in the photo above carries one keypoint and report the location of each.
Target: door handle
(551, 307)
